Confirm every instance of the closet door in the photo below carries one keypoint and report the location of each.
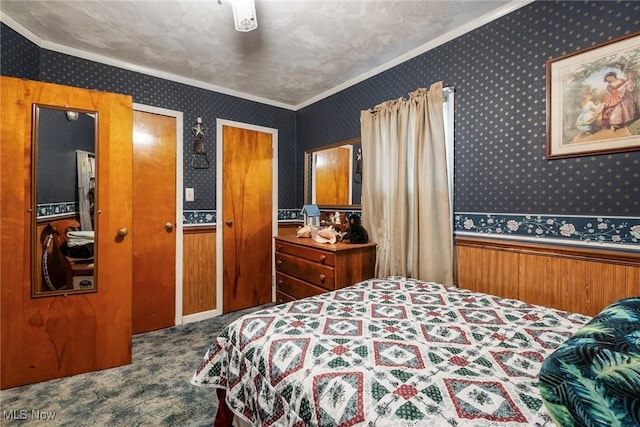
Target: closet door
(154, 217)
(246, 223)
(46, 336)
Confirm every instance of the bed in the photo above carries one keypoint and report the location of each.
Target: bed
(388, 352)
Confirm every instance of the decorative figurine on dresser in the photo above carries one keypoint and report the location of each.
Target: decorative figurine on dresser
(356, 233)
(305, 268)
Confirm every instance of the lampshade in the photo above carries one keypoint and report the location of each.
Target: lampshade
(244, 15)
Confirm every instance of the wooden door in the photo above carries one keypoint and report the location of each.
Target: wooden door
(48, 337)
(333, 176)
(246, 220)
(154, 216)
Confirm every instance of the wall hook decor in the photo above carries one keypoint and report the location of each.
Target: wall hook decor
(199, 160)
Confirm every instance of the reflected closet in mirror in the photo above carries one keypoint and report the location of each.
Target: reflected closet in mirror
(64, 183)
(333, 175)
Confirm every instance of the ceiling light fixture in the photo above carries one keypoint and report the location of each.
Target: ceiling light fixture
(244, 15)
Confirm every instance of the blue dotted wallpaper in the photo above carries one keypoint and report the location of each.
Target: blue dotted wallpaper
(192, 101)
(19, 57)
(498, 72)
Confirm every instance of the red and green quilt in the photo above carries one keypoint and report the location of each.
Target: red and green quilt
(392, 352)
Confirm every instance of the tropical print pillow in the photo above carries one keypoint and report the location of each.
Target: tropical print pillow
(593, 379)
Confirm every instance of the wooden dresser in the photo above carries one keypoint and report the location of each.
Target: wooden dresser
(305, 268)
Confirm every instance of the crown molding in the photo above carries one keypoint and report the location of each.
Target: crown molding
(482, 20)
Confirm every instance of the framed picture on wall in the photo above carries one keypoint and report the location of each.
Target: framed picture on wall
(593, 100)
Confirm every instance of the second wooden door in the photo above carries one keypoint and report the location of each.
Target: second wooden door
(247, 218)
(154, 215)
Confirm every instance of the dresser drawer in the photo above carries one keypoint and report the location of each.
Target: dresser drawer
(281, 297)
(312, 272)
(296, 288)
(311, 254)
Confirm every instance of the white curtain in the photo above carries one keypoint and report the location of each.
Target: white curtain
(405, 195)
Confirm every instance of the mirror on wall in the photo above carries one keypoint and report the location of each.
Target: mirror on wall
(64, 196)
(333, 175)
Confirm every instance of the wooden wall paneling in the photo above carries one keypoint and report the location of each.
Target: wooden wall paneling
(617, 286)
(502, 277)
(558, 275)
(462, 269)
(199, 270)
(491, 272)
(633, 281)
(581, 280)
(580, 285)
(288, 229)
(592, 285)
(625, 281)
(534, 269)
(545, 281)
(199, 266)
(467, 259)
(600, 280)
(486, 270)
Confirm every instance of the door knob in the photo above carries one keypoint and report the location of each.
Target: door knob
(229, 222)
(122, 232)
(168, 226)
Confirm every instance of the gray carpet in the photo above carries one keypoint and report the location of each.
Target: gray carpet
(153, 391)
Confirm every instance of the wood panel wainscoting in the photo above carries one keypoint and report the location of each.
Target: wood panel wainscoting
(199, 266)
(199, 269)
(288, 228)
(579, 280)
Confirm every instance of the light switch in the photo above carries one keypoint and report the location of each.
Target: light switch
(188, 194)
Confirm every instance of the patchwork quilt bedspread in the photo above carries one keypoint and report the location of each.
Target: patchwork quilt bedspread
(392, 352)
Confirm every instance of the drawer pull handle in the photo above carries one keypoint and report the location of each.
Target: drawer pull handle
(280, 282)
(279, 262)
(323, 258)
(279, 247)
(322, 277)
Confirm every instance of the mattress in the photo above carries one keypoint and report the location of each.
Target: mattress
(388, 352)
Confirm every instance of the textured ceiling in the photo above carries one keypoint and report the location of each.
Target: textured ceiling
(301, 51)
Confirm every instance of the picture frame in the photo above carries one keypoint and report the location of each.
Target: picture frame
(593, 100)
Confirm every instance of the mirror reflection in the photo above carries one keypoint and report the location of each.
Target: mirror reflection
(333, 175)
(64, 190)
